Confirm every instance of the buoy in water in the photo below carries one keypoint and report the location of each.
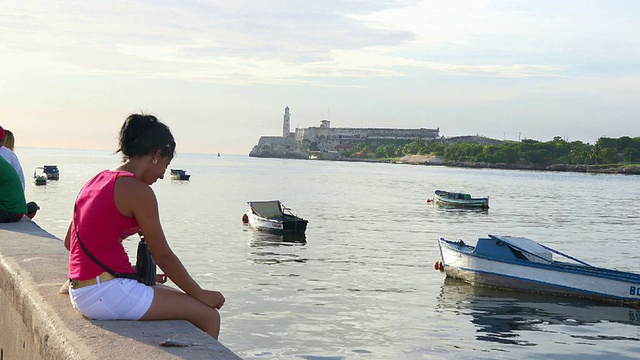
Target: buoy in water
(245, 219)
(429, 200)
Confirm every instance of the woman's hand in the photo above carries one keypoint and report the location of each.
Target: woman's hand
(211, 298)
(161, 278)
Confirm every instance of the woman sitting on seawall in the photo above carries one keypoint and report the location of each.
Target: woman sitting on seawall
(114, 205)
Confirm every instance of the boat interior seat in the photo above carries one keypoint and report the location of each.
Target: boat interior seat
(267, 209)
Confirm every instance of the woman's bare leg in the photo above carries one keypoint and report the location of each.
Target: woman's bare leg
(172, 304)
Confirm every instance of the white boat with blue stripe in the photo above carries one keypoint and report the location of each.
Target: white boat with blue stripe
(523, 264)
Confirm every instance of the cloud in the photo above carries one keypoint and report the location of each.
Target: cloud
(243, 42)
(463, 61)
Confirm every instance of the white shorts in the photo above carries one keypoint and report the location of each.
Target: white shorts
(116, 299)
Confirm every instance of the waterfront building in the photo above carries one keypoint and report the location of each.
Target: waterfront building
(326, 139)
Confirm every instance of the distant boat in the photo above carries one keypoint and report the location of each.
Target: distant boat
(179, 174)
(39, 176)
(52, 172)
(522, 264)
(274, 217)
(460, 199)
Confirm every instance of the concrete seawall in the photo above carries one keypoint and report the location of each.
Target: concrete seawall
(36, 322)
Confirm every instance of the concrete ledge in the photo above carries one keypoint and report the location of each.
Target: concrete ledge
(36, 322)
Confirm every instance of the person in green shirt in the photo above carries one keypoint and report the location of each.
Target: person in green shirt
(13, 205)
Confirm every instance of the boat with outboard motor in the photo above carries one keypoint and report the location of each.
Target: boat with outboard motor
(273, 216)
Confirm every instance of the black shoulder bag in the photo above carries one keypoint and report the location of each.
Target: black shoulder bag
(145, 265)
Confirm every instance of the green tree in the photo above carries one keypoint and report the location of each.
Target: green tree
(511, 154)
(500, 157)
(596, 153)
(630, 154)
(609, 156)
(539, 157)
(438, 149)
(624, 143)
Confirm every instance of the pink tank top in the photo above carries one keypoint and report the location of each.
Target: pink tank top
(101, 228)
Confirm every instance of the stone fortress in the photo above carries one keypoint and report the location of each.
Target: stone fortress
(326, 142)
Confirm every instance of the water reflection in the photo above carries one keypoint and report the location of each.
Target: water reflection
(270, 249)
(504, 316)
(460, 210)
(264, 238)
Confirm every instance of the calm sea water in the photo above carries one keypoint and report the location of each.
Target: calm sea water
(362, 285)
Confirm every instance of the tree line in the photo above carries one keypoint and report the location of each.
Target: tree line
(557, 151)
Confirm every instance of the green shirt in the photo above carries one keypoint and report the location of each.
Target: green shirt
(11, 191)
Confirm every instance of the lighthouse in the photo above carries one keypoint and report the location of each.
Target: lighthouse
(286, 124)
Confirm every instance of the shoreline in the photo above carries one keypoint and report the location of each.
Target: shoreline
(439, 161)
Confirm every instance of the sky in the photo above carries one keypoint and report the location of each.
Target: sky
(219, 73)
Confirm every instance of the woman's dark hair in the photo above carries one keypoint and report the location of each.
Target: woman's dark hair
(142, 135)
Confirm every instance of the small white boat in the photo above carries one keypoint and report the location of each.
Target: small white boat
(39, 176)
(179, 174)
(460, 199)
(273, 216)
(523, 264)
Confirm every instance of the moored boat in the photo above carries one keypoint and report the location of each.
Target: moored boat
(40, 180)
(52, 172)
(273, 216)
(460, 199)
(179, 174)
(523, 264)
(39, 176)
